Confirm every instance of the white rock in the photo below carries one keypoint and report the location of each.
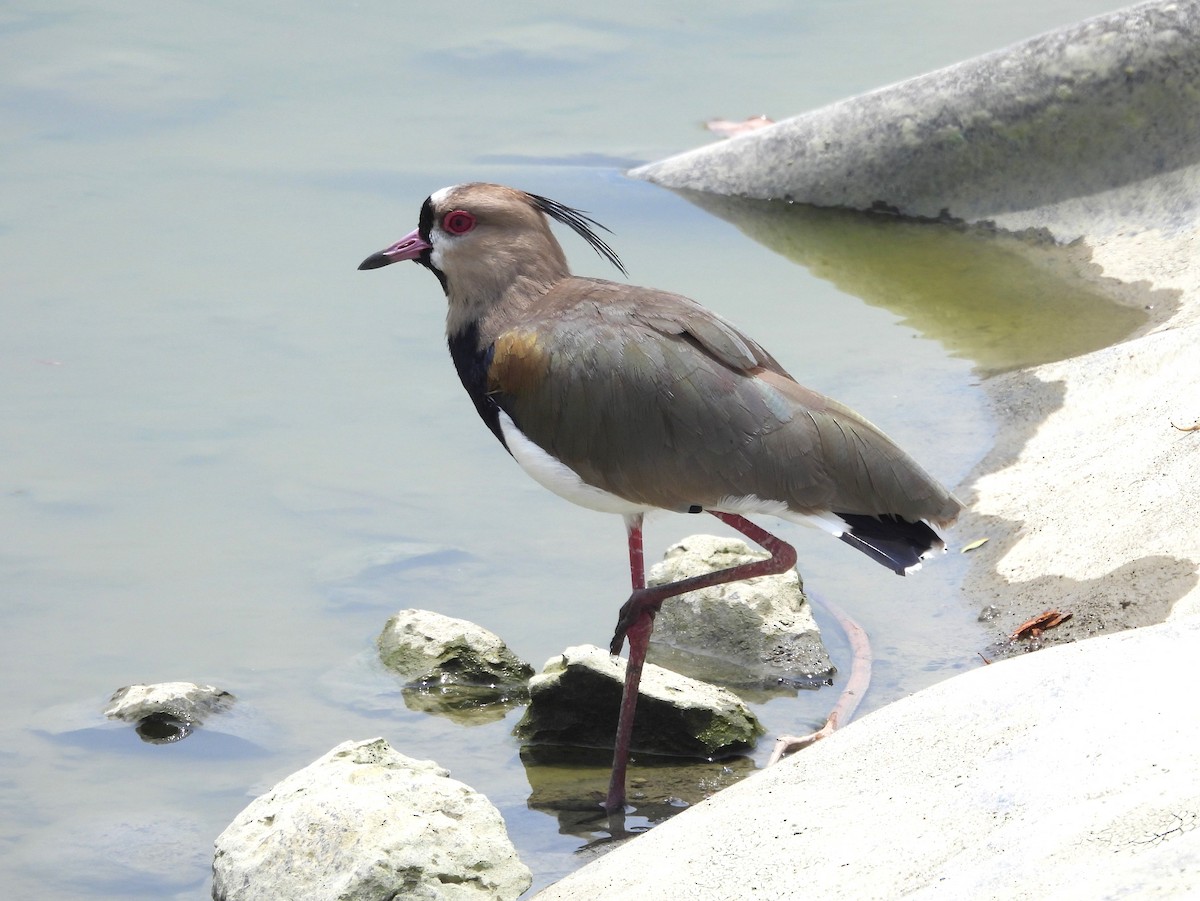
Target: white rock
(166, 712)
(365, 822)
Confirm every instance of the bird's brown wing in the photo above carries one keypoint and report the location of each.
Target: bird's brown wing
(651, 397)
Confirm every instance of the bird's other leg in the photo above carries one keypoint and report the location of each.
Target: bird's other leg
(636, 622)
(639, 639)
(645, 601)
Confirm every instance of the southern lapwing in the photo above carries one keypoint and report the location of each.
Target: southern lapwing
(627, 399)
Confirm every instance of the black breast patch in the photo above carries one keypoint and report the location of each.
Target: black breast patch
(473, 362)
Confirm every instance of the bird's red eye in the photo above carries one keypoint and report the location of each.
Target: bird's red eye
(458, 222)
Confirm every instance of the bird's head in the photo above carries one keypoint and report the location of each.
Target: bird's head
(480, 239)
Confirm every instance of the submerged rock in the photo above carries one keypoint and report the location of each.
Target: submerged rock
(165, 712)
(375, 574)
(366, 822)
(576, 698)
(428, 648)
(115, 854)
(763, 626)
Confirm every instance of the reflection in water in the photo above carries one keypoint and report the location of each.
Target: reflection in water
(467, 705)
(1003, 301)
(570, 783)
(754, 686)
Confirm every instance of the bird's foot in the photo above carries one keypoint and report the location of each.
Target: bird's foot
(636, 616)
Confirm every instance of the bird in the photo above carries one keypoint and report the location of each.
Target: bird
(630, 400)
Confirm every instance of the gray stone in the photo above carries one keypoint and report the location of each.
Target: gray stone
(576, 698)
(431, 649)
(763, 625)
(164, 712)
(366, 823)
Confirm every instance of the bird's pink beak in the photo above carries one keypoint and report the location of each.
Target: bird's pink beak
(410, 247)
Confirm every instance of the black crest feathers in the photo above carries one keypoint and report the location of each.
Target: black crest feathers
(581, 224)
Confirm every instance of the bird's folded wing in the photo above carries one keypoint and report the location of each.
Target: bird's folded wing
(649, 396)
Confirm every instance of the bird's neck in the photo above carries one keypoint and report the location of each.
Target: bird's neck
(500, 298)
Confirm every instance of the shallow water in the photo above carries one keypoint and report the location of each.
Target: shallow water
(227, 456)
(1002, 301)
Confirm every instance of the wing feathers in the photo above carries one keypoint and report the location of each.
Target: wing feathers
(648, 396)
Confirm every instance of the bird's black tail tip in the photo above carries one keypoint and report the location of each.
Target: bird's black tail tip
(892, 541)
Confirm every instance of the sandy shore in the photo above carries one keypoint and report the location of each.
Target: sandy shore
(1089, 493)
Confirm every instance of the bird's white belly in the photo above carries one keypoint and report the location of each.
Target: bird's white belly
(556, 476)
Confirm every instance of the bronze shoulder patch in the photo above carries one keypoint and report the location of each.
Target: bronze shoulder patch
(519, 363)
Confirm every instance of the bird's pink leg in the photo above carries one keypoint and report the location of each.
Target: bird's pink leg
(637, 563)
(639, 641)
(637, 621)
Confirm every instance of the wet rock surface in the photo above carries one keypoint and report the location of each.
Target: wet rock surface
(576, 698)
(165, 712)
(428, 648)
